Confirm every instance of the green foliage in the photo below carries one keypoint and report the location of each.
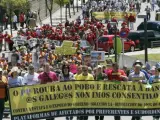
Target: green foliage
(61, 2)
(20, 5)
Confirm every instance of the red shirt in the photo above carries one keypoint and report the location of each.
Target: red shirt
(1, 37)
(114, 20)
(47, 77)
(21, 18)
(116, 75)
(131, 18)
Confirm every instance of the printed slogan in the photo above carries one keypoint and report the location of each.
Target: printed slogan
(84, 98)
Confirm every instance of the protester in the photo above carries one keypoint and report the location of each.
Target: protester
(116, 74)
(66, 74)
(1, 40)
(15, 20)
(137, 76)
(5, 20)
(14, 79)
(79, 71)
(31, 77)
(47, 76)
(155, 79)
(131, 20)
(3, 92)
(22, 19)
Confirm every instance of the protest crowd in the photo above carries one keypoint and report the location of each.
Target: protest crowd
(40, 64)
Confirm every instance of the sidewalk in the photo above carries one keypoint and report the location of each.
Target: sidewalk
(56, 16)
(55, 19)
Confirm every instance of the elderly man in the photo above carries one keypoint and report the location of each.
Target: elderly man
(137, 76)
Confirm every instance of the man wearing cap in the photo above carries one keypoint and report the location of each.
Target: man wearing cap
(3, 92)
(140, 63)
(137, 76)
(31, 77)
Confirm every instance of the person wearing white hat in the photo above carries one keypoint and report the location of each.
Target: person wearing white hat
(137, 76)
(15, 80)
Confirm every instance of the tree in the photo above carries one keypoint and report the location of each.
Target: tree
(49, 5)
(39, 10)
(72, 3)
(61, 3)
(20, 5)
(12, 5)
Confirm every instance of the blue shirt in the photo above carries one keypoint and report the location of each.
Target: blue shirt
(154, 79)
(15, 82)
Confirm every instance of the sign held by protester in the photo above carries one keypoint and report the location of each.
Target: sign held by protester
(84, 98)
(97, 55)
(66, 48)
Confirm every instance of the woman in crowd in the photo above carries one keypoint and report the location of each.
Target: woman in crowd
(14, 80)
(66, 76)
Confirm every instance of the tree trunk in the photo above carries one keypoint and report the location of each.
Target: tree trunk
(39, 15)
(46, 9)
(69, 10)
(50, 14)
(66, 12)
(77, 5)
(61, 12)
(81, 3)
(73, 8)
(10, 12)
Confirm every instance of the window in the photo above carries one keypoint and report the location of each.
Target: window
(150, 26)
(150, 34)
(141, 26)
(103, 39)
(133, 36)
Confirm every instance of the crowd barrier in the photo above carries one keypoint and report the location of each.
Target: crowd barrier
(80, 98)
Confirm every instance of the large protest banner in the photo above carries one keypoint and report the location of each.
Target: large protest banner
(108, 15)
(84, 98)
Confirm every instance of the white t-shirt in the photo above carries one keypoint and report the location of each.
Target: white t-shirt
(31, 79)
(14, 18)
